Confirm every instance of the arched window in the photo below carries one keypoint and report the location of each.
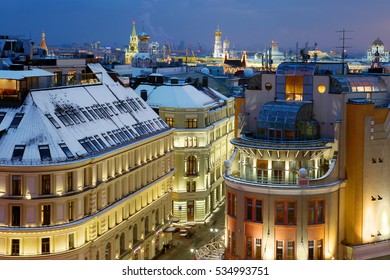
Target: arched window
(122, 248)
(192, 166)
(107, 252)
(135, 234)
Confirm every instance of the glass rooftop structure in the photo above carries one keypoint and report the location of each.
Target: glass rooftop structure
(287, 121)
(353, 84)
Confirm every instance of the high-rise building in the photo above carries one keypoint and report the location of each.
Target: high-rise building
(203, 122)
(86, 167)
(218, 53)
(309, 175)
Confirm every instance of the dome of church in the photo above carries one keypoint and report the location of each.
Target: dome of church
(377, 42)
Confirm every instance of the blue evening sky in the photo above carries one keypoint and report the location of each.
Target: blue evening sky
(247, 24)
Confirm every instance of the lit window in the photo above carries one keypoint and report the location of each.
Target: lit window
(294, 88)
(321, 88)
(285, 213)
(191, 123)
(316, 212)
(192, 166)
(170, 122)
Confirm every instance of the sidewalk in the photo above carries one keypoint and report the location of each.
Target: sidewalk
(202, 235)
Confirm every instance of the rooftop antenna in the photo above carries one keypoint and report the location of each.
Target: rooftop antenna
(343, 47)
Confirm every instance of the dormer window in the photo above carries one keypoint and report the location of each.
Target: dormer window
(16, 121)
(18, 152)
(44, 152)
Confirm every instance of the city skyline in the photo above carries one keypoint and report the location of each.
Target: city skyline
(246, 24)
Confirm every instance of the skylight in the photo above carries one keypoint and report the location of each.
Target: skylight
(44, 152)
(18, 152)
(66, 150)
(2, 115)
(16, 121)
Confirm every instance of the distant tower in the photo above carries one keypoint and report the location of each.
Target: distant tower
(43, 45)
(143, 42)
(218, 44)
(143, 59)
(226, 46)
(133, 46)
(378, 47)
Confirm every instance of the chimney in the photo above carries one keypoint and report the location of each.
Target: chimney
(205, 82)
(144, 94)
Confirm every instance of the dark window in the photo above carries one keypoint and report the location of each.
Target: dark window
(44, 151)
(86, 114)
(111, 108)
(46, 215)
(15, 216)
(108, 139)
(16, 185)
(78, 115)
(73, 117)
(18, 152)
(97, 111)
(285, 213)
(87, 145)
(100, 141)
(2, 115)
(92, 113)
(16, 121)
(53, 121)
(15, 247)
(95, 143)
(140, 103)
(65, 119)
(113, 137)
(66, 150)
(249, 209)
(45, 245)
(69, 181)
(45, 184)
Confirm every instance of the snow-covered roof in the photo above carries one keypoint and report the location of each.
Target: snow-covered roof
(21, 74)
(74, 122)
(181, 96)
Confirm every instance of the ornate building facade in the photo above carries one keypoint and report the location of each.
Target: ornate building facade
(308, 178)
(203, 122)
(86, 169)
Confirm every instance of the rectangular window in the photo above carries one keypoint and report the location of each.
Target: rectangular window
(285, 212)
(290, 250)
(53, 121)
(66, 150)
(258, 249)
(86, 114)
(69, 181)
(170, 122)
(311, 250)
(294, 88)
(279, 250)
(259, 211)
(71, 240)
(45, 245)
(15, 247)
(15, 216)
(2, 115)
(45, 184)
(249, 248)
(44, 152)
(191, 123)
(316, 212)
(320, 251)
(16, 188)
(70, 211)
(46, 214)
(249, 209)
(16, 120)
(18, 152)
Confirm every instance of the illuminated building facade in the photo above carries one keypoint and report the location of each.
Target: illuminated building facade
(86, 169)
(132, 50)
(203, 122)
(218, 52)
(308, 177)
(378, 47)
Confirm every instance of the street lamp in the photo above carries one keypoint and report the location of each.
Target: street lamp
(214, 232)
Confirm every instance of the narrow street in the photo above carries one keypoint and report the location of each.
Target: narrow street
(201, 236)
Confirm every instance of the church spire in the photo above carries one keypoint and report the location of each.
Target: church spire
(43, 45)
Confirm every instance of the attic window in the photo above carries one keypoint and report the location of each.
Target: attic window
(100, 141)
(108, 139)
(140, 103)
(65, 119)
(66, 150)
(18, 152)
(16, 121)
(87, 145)
(2, 115)
(111, 108)
(86, 114)
(44, 151)
(53, 121)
